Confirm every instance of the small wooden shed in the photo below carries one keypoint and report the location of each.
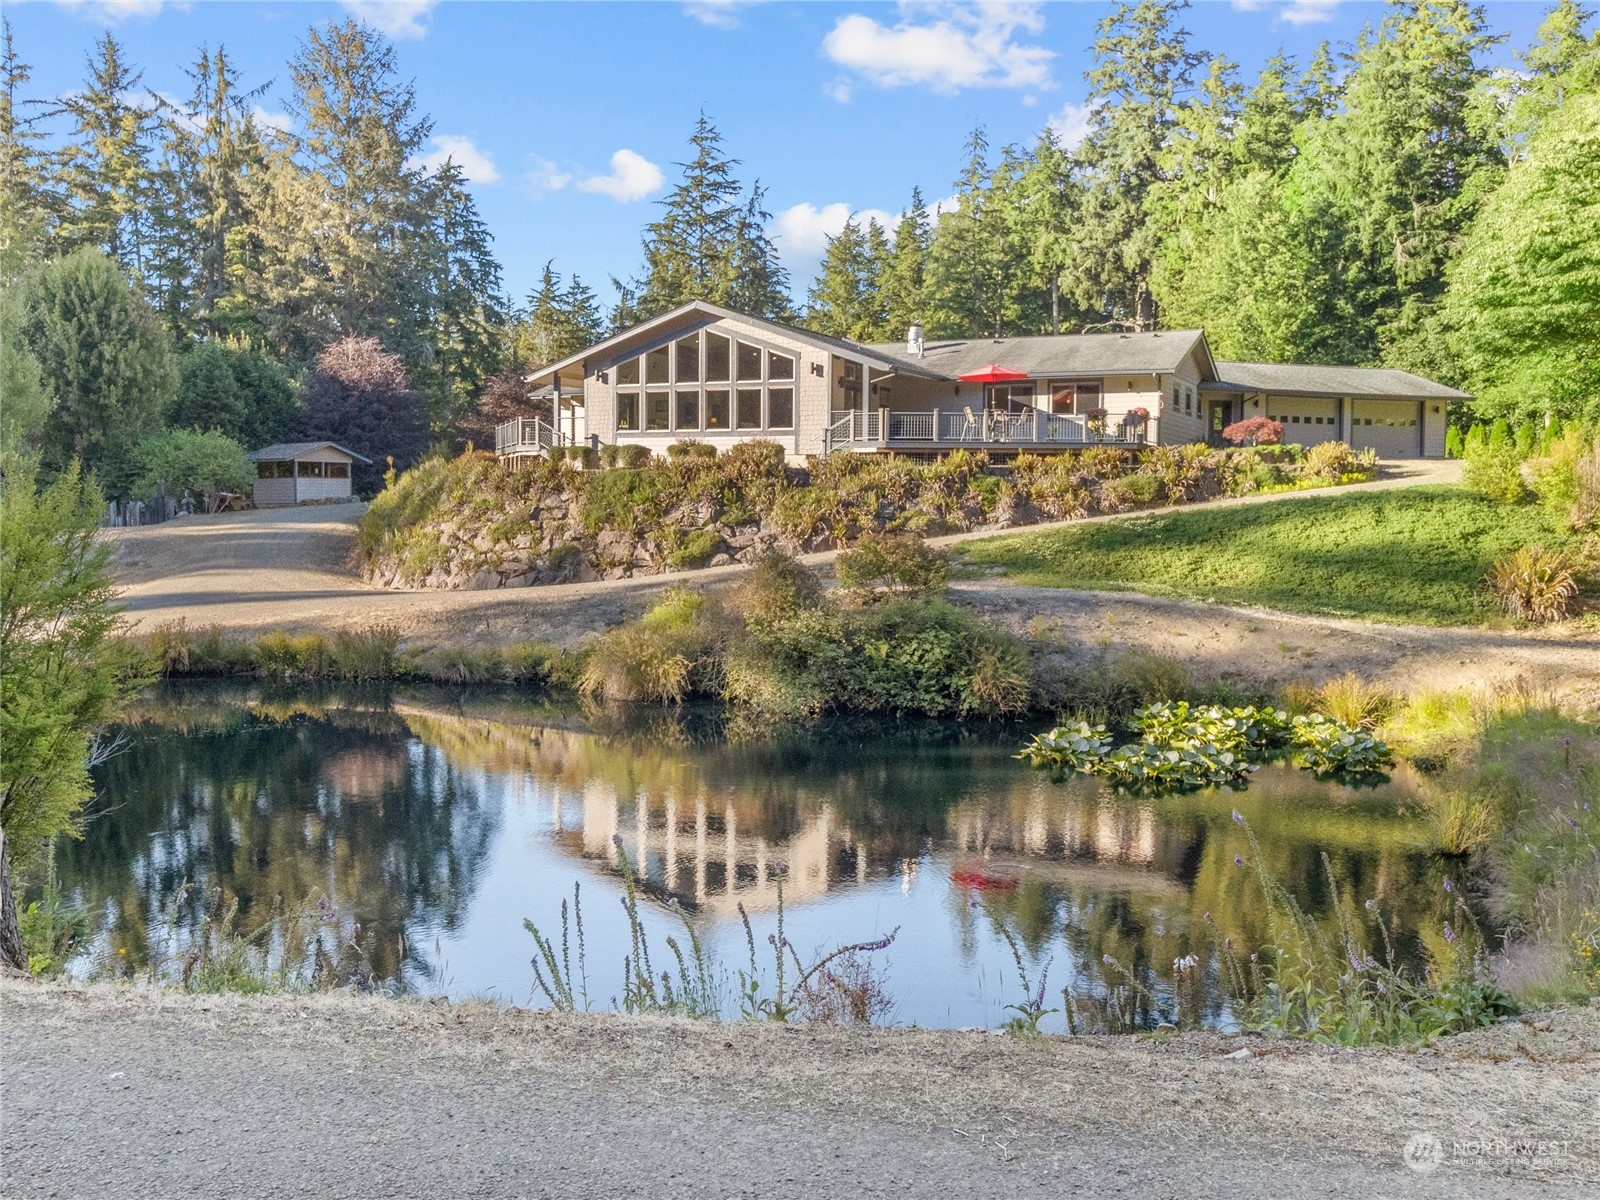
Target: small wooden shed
(298, 472)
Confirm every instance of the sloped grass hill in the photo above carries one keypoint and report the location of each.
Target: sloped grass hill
(1412, 555)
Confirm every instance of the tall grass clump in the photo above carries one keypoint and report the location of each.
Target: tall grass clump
(1535, 584)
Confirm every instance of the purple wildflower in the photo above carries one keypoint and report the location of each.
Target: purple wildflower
(1371, 904)
(1108, 960)
(1253, 958)
(1238, 817)
(1571, 822)
(881, 944)
(1238, 860)
(1449, 934)
(1206, 916)
(1356, 963)
(1449, 885)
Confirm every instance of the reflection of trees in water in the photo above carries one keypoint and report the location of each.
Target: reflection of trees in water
(344, 804)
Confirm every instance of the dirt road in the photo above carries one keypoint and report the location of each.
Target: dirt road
(115, 1094)
(288, 569)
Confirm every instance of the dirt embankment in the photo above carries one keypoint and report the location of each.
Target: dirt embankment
(112, 1093)
(289, 569)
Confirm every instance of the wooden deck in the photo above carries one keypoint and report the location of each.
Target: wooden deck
(975, 430)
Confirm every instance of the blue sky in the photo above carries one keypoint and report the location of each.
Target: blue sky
(569, 117)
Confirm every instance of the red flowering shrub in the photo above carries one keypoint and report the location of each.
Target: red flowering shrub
(1254, 431)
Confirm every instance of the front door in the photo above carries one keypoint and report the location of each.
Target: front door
(1221, 418)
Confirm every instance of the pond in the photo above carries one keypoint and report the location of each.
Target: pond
(428, 824)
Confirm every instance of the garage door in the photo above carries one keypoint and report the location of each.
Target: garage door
(1391, 427)
(1305, 422)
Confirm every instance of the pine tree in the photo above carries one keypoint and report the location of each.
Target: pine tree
(975, 262)
(902, 277)
(559, 321)
(1143, 70)
(690, 251)
(845, 299)
(468, 308)
(27, 205)
(760, 283)
(1048, 198)
(106, 173)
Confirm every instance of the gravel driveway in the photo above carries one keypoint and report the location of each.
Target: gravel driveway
(114, 1094)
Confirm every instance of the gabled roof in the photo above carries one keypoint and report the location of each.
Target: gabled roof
(1297, 379)
(289, 451)
(702, 308)
(1060, 354)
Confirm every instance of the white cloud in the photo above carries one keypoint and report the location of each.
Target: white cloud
(803, 230)
(544, 176)
(113, 12)
(633, 177)
(1071, 124)
(282, 122)
(1249, 5)
(403, 20)
(719, 14)
(945, 46)
(477, 166)
(1310, 12)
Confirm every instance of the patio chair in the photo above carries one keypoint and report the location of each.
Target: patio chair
(969, 428)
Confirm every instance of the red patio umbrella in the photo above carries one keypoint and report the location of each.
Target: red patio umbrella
(993, 373)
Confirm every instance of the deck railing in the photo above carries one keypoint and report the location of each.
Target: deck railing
(525, 435)
(979, 427)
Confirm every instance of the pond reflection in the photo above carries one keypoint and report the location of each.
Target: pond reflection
(439, 822)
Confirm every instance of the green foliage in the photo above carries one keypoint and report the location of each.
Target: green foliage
(1075, 746)
(105, 362)
(1524, 300)
(896, 563)
(1417, 555)
(26, 401)
(187, 460)
(62, 673)
(239, 392)
(1495, 472)
(1328, 747)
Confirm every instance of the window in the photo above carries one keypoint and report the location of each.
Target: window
(717, 410)
(688, 359)
(780, 408)
(1067, 397)
(274, 470)
(688, 410)
(309, 470)
(628, 373)
(655, 365)
(717, 358)
(749, 363)
(749, 408)
(779, 366)
(628, 408)
(338, 470)
(656, 416)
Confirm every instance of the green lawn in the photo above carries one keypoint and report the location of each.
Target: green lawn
(1408, 555)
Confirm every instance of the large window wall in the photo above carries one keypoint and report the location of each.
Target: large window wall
(706, 382)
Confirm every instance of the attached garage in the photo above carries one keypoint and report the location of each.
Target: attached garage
(1391, 427)
(1306, 420)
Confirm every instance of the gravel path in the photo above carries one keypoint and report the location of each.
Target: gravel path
(116, 1094)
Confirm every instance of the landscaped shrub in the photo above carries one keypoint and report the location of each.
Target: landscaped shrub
(895, 563)
(1336, 460)
(1254, 431)
(691, 448)
(1535, 584)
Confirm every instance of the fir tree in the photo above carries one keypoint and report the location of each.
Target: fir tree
(902, 277)
(27, 205)
(690, 251)
(559, 321)
(759, 282)
(468, 309)
(846, 299)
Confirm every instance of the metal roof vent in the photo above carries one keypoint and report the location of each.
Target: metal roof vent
(914, 340)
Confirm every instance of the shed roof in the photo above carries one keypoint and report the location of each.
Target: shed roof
(289, 451)
(1298, 379)
(1059, 354)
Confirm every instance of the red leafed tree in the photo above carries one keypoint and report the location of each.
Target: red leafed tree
(359, 395)
(1254, 431)
(503, 397)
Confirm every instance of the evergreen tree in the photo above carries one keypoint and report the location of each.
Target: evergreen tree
(846, 298)
(1271, 112)
(105, 359)
(976, 263)
(1046, 202)
(27, 204)
(559, 321)
(468, 308)
(106, 173)
(759, 282)
(1143, 69)
(1562, 62)
(690, 251)
(208, 395)
(1523, 306)
(902, 277)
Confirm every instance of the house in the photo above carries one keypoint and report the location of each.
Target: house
(708, 373)
(298, 472)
